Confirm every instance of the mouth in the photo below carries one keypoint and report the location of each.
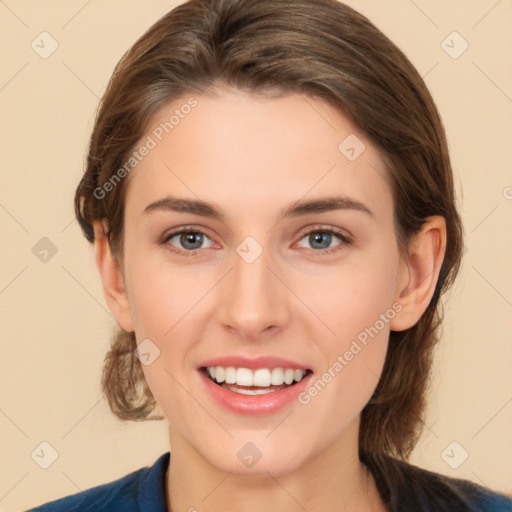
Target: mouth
(260, 381)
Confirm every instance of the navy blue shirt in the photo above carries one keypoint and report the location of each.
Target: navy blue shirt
(140, 491)
(145, 491)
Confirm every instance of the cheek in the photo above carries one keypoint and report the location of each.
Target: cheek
(356, 308)
(350, 297)
(166, 308)
(162, 296)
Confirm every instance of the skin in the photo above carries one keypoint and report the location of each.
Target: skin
(253, 158)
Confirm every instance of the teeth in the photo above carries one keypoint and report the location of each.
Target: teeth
(230, 376)
(277, 377)
(220, 374)
(244, 377)
(262, 391)
(289, 375)
(262, 377)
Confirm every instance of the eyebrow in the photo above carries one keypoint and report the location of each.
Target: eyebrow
(301, 207)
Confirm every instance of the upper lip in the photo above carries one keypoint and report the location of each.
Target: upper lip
(253, 363)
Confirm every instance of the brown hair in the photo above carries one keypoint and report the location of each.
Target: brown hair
(322, 49)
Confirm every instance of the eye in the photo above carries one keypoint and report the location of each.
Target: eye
(188, 240)
(323, 240)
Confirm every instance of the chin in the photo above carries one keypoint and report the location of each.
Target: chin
(258, 457)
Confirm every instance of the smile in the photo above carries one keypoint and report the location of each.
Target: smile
(260, 381)
(253, 385)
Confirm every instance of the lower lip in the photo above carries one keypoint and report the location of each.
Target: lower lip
(254, 405)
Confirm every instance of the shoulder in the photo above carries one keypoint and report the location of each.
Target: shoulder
(143, 489)
(455, 494)
(409, 487)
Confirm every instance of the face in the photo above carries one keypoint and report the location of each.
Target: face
(255, 241)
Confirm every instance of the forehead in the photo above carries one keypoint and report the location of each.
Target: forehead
(249, 152)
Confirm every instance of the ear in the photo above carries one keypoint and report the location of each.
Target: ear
(419, 273)
(112, 278)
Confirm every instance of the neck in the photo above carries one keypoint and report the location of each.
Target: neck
(333, 481)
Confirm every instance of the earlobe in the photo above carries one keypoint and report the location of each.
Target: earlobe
(420, 272)
(112, 279)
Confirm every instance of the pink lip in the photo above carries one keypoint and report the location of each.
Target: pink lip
(253, 363)
(253, 405)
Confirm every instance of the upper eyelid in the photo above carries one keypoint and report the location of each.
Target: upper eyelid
(179, 231)
(184, 229)
(319, 228)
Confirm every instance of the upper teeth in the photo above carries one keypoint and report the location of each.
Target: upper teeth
(262, 377)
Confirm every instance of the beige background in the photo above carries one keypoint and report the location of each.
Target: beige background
(55, 326)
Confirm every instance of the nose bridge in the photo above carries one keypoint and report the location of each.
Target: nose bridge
(253, 300)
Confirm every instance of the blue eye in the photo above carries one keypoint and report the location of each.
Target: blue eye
(188, 240)
(323, 240)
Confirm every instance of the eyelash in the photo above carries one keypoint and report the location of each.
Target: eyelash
(345, 240)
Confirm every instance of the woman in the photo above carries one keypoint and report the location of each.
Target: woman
(269, 193)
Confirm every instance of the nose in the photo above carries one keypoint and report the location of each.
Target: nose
(253, 300)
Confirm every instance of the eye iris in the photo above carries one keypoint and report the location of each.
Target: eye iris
(322, 239)
(191, 239)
